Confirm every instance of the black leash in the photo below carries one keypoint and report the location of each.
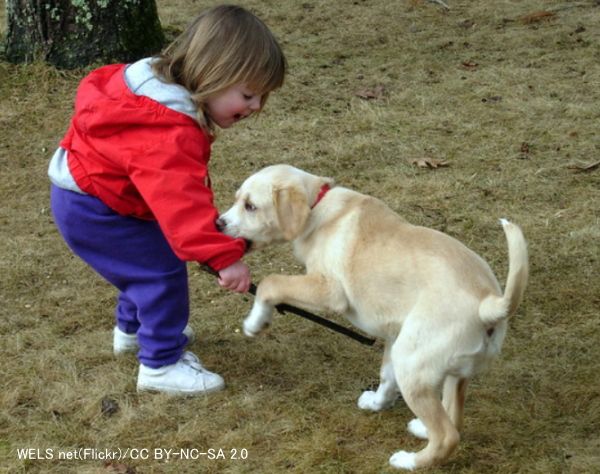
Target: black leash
(283, 308)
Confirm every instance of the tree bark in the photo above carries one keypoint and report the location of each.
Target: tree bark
(74, 33)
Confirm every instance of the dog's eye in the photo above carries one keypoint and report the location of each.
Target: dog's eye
(249, 206)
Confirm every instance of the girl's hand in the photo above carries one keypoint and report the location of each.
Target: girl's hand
(235, 277)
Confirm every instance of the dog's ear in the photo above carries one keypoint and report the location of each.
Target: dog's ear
(292, 209)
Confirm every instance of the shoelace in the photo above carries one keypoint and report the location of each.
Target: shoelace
(190, 359)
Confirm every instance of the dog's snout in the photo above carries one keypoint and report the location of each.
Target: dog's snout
(221, 223)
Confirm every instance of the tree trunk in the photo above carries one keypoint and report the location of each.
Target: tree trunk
(73, 33)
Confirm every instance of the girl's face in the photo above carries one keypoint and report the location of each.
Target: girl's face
(232, 105)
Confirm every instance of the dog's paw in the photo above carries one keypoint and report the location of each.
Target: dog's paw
(403, 460)
(251, 328)
(418, 429)
(249, 333)
(258, 319)
(369, 400)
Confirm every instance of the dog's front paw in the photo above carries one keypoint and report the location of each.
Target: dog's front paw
(403, 460)
(252, 327)
(259, 318)
(248, 332)
(418, 429)
(370, 400)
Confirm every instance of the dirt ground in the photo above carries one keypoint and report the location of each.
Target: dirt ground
(455, 118)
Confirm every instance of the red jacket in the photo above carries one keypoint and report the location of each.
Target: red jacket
(145, 160)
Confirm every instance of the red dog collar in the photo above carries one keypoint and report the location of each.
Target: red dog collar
(324, 190)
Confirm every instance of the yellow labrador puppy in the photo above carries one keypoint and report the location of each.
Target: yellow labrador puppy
(435, 303)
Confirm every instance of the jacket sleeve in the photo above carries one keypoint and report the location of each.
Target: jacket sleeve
(172, 177)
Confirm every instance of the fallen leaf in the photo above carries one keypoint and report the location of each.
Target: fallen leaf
(109, 406)
(494, 98)
(368, 94)
(469, 65)
(429, 163)
(584, 167)
(537, 17)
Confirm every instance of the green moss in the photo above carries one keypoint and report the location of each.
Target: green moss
(83, 13)
(89, 35)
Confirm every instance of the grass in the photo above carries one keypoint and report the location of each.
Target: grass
(510, 103)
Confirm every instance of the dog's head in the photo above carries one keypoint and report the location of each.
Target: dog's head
(272, 205)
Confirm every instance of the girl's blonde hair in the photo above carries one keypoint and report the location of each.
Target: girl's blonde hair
(223, 46)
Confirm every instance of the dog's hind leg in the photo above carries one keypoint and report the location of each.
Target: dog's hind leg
(455, 390)
(387, 392)
(419, 384)
(453, 401)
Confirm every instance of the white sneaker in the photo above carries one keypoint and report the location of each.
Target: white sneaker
(185, 377)
(124, 343)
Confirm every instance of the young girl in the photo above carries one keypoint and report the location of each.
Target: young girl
(130, 186)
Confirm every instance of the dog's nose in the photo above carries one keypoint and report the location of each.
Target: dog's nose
(221, 224)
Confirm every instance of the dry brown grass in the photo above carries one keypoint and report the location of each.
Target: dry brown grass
(510, 102)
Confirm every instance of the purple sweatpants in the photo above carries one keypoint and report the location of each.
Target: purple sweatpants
(134, 256)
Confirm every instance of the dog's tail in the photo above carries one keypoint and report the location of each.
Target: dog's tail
(495, 308)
